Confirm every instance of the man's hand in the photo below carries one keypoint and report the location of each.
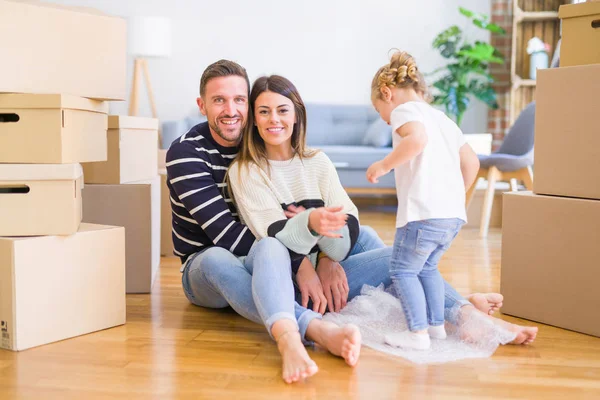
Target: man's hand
(292, 211)
(335, 283)
(376, 170)
(310, 287)
(326, 220)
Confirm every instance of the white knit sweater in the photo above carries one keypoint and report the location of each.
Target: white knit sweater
(261, 194)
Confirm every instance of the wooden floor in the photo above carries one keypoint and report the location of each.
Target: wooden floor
(170, 349)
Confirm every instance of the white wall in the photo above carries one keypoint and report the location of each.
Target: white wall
(329, 48)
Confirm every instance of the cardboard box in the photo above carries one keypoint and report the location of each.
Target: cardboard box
(57, 287)
(162, 158)
(135, 206)
(49, 48)
(132, 152)
(52, 129)
(38, 199)
(567, 139)
(580, 44)
(550, 256)
(166, 222)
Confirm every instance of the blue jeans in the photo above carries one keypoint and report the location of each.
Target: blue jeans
(260, 288)
(418, 247)
(215, 278)
(369, 263)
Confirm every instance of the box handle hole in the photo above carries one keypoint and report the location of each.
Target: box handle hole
(17, 189)
(596, 24)
(9, 117)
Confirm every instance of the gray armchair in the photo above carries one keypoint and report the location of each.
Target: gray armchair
(511, 163)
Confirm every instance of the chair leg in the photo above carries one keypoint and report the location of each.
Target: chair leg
(471, 192)
(528, 178)
(486, 211)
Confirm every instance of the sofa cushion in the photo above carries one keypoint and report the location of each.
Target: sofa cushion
(379, 134)
(194, 120)
(354, 157)
(319, 124)
(357, 178)
(171, 130)
(337, 124)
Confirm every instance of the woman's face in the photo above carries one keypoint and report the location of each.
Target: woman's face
(275, 117)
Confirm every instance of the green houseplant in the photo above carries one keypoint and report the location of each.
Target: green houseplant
(467, 73)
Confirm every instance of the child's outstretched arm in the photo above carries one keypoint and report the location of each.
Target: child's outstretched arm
(414, 140)
(469, 165)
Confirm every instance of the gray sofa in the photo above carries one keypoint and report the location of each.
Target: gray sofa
(353, 136)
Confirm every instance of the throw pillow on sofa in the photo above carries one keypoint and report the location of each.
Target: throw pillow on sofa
(379, 134)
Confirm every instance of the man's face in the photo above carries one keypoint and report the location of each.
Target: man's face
(225, 105)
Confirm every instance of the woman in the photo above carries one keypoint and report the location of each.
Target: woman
(275, 171)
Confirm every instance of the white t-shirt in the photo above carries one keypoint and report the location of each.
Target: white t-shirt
(430, 185)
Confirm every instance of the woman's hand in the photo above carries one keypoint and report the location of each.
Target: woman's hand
(293, 210)
(310, 287)
(376, 170)
(335, 283)
(326, 220)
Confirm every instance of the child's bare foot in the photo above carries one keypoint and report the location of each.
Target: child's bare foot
(488, 303)
(342, 341)
(296, 362)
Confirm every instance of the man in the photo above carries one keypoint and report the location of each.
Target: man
(222, 264)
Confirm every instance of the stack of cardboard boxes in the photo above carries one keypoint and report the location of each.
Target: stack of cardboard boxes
(125, 191)
(59, 278)
(551, 238)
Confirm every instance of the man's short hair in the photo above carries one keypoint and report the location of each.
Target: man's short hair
(219, 69)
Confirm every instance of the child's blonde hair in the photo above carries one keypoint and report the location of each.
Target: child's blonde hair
(400, 72)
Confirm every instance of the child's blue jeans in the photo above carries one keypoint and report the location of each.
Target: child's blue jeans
(418, 247)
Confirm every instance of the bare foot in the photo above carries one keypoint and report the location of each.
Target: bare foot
(488, 303)
(342, 341)
(296, 362)
(524, 334)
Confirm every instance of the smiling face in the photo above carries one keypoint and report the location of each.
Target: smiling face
(225, 104)
(275, 117)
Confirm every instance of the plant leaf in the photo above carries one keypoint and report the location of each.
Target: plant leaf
(467, 74)
(438, 100)
(482, 71)
(482, 52)
(473, 15)
(490, 26)
(485, 92)
(498, 54)
(449, 34)
(482, 21)
(465, 12)
(447, 41)
(458, 101)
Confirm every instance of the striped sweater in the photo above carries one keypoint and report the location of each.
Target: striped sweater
(262, 194)
(203, 213)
